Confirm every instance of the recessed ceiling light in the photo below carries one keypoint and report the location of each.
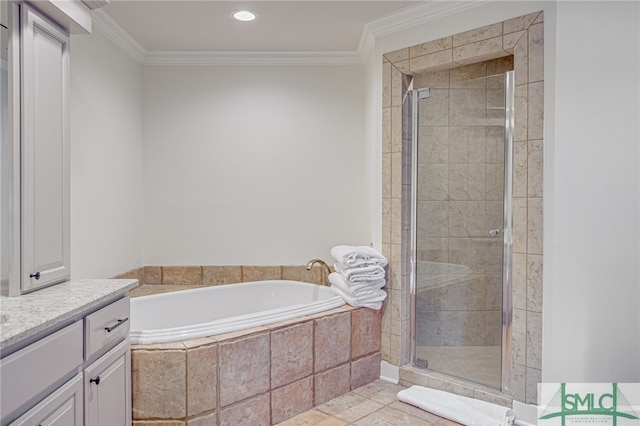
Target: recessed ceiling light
(244, 15)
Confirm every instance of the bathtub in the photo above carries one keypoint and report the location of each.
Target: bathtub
(208, 311)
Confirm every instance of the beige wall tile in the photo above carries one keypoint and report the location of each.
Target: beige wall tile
(433, 182)
(459, 76)
(291, 354)
(386, 130)
(291, 400)
(434, 144)
(396, 129)
(386, 347)
(479, 51)
(431, 47)
(244, 368)
(534, 172)
(386, 85)
(478, 34)
(300, 273)
(521, 60)
(435, 79)
(366, 328)
(386, 175)
(403, 66)
(396, 175)
(397, 55)
(536, 53)
(396, 221)
(396, 87)
(332, 345)
(518, 382)
(467, 182)
(331, 384)
(520, 23)
(468, 107)
(534, 283)
(519, 283)
(509, 40)
(182, 275)
(534, 226)
(519, 337)
(214, 275)
(519, 225)
(535, 110)
(435, 112)
(365, 370)
(500, 65)
(534, 377)
(158, 384)
(152, 275)
(432, 62)
(396, 347)
(520, 163)
(261, 273)
(534, 340)
(202, 379)
(540, 18)
(255, 411)
(521, 102)
(386, 221)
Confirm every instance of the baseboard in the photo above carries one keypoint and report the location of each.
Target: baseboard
(526, 414)
(389, 372)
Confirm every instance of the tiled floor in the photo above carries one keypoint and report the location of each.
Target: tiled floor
(374, 404)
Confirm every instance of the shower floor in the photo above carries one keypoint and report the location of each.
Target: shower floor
(479, 364)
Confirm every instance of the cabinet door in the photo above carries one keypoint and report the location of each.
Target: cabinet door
(44, 150)
(107, 384)
(61, 408)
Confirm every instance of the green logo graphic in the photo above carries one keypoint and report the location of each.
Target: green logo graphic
(613, 404)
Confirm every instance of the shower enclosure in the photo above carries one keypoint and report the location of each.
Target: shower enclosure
(461, 227)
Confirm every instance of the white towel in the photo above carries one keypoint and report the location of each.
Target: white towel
(349, 256)
(361, 274)
(468, 411)
(373, 302)
(356, 290)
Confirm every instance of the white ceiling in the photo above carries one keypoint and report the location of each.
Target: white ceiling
(282, 26)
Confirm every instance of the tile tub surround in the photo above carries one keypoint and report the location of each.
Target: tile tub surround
(264, 375)
(523, 38)
(24, 317)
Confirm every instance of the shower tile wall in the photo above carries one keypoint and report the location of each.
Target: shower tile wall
(460, 193)
(522, 38)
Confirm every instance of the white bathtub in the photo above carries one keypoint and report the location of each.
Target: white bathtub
(208, 311)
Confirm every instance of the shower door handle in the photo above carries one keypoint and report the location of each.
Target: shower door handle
(494, 232)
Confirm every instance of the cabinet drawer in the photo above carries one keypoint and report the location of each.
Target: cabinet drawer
(61, 408)
(106, 327)
(29, 372)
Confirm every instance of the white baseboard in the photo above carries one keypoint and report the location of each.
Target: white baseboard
(526, 414)
(389, 372)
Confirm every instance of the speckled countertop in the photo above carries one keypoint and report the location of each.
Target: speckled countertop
(22, 317)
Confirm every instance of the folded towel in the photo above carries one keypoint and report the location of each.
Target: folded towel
(361, 274)
(467, 411)
(355, 290)
(349, 256)
(373, 302)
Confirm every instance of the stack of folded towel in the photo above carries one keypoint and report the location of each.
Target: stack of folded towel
(359, 275)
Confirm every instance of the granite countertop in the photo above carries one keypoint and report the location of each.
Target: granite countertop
(25, 316)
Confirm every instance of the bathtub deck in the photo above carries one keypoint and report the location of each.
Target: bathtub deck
(372, 404)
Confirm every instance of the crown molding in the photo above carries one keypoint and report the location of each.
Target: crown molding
(401, 20)
(418, 15)
(117, 35)
(251, 58)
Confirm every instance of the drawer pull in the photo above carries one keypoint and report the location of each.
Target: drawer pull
(120, 322)
(96, 380)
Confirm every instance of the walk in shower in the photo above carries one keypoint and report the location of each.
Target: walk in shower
(461, 227)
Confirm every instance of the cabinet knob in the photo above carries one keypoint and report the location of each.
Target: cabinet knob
(36, 275)
(96, 380)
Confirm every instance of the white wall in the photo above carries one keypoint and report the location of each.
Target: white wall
(106, 159)
(592, 273)
(591, 282)
(261, 165)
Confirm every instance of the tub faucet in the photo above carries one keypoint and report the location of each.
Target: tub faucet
(325, 269)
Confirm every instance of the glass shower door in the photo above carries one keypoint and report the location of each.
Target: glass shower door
(460, 135)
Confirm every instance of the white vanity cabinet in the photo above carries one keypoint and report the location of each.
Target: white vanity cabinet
(77, 375)
(44, 115)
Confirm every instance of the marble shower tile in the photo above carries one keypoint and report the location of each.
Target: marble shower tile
(479, 51)
(386, 85)
(432, 62)
(214, 275)
(521, 105)
(152, 275)
(182, 275)
(535, 110)
(535, 169)
(520, 165)
(397, 55)
(536, 52)
(478, 34)
(433, 143)
(534, 283)
(519, 23)
(431, 47)
(534, 226)
(534, 340)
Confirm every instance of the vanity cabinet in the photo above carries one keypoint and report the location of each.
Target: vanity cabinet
(78, 375)
(44, 122)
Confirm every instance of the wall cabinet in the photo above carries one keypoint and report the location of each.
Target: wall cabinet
(56, 381)
(45, 184)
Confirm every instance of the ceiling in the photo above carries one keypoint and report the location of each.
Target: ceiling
(282, 26)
